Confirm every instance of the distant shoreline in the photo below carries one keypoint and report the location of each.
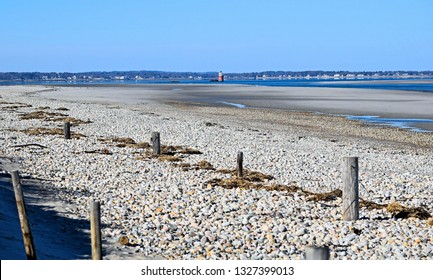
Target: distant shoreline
(386, 81)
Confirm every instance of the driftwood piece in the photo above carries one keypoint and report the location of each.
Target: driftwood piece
(29, 145)
(29, 245)
(101, 151)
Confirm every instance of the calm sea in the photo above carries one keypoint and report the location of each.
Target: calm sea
(413, 85)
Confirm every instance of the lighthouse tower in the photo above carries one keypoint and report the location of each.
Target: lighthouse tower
(220, 77)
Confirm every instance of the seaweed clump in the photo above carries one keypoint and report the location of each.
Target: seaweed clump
(399, 211)
(49, 131)
(123, 142)
(55, 117)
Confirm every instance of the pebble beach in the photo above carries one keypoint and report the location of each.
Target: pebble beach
(189, 204)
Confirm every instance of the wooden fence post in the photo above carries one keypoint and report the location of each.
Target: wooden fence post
(156, 144)
(67, 130)
(316, 253)
(240, 161)
(95, 230)
(24, 221)
(350, 189)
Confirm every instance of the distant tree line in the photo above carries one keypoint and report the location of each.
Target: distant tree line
(134, 75)
(316, 73)
(127, 75)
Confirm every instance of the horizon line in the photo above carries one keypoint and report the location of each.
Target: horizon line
(215, 71)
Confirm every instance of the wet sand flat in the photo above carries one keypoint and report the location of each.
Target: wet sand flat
(339, 101)
(384, 103)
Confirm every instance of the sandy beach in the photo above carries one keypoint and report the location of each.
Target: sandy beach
(187, 204)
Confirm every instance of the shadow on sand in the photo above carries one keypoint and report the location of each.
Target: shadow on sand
(56, 237)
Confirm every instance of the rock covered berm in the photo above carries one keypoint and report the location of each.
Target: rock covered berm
(176, 207)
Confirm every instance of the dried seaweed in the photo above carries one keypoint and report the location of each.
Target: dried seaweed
(227, 171)
(41, 115)
(170, 150)
(71, 120)
(370, 205)
(140, 145)
(205, 165)
(54, 117)
(49, 131)
(241, 183)
(251, 176)
(254, 176)
(253, 180)
(43, 131)
(14, 105)
(399, 211)
(249, 180)
(122, 142)
(190, 151)
(327, 196)
(233, 183)
(169, 158)
(282, 188)
(184, 166)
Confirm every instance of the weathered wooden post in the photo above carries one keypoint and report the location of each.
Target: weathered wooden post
(350, 189)
(156, 144)
(316, 253)
(95, 230)
(67, 130)
(240, 161)
(22, 214)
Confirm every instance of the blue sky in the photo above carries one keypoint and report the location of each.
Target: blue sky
(202, 35)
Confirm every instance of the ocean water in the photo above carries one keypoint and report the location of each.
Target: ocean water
(237, 105)
(408, 124)
(411, 85)
(394, 122)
